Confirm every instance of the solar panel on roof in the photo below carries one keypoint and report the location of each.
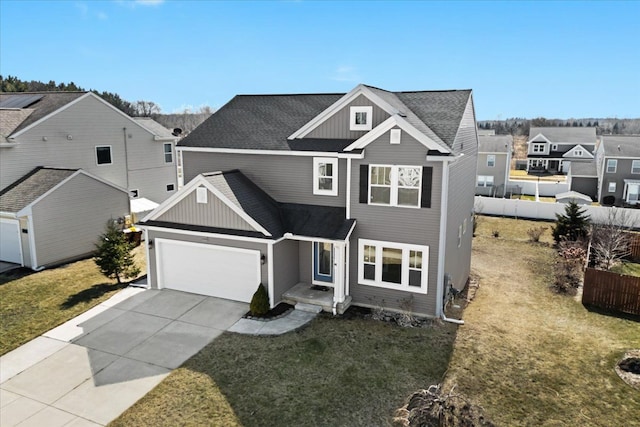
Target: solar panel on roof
(20, 101)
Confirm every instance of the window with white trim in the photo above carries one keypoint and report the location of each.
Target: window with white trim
(635, 167)
(554, 147)
(612, 165)
(360, 118)
(325, 176)
(491, 160)
(395, 185)
(633, 193)
(612, 187)
(103, 155)
(538, 148)
(485, 180)
(168, 153)
(393, 265)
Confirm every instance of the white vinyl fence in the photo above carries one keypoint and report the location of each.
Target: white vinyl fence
(547, 189)
(543, 210)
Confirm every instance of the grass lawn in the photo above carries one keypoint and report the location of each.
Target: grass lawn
(628, 268)
(338, 372)
(530, 357)
(32, 303)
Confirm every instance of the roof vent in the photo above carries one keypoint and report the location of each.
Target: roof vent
(176, 132)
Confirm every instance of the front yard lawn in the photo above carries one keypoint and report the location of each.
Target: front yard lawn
(338, 372)
(32, 303)
(530, 357)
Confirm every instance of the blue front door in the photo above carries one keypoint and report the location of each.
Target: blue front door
(323, 262)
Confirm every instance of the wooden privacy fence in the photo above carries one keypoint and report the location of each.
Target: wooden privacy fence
(611, 291)
(634, 246)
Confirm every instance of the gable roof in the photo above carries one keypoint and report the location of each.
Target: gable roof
(47, 103)
(27, 189)
(621, 146)
(565, 134)
(155, 128)
(495, 143)
(275, 122)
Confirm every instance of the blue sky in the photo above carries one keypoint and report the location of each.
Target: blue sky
(524, 59)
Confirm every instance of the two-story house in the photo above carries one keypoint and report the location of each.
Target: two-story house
(80, 130)
(494, 163)
(552, 149)
(618, 169)
(360, 198)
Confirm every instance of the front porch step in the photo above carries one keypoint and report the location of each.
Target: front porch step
(311, 308)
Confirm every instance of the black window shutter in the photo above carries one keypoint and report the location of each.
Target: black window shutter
(427, 178)
(364, 183)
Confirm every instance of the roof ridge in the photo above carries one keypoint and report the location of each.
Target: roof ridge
(46, 92)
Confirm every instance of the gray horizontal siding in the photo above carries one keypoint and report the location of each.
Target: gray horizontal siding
(67, 223)
(337, 126)
(214, 213)
(305, 266)
(152, 183)
(288, 179)
(285, 268)
(498, 171)
(199, 238)
(395, 224)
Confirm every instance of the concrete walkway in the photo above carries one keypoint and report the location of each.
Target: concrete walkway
(89, 370)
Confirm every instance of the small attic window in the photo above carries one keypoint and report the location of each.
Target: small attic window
(201, 195)
(395, 136)
(360, 118)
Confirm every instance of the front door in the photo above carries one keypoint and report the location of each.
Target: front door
(323, 262)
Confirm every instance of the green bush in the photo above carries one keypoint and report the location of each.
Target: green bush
(259, 302)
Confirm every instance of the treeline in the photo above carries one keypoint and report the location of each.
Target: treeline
(187, 120)
(604, 126)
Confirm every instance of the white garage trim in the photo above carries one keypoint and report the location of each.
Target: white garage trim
(11, 241)
(219, 271)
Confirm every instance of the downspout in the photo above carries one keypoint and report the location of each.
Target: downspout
(126, 159)
(445, 318)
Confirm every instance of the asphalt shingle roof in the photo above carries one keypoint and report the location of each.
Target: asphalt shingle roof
(587, 169)
(153, 126)
(495, 144)
(566, 134)
(27, 189)
(11, 119)
(264, 122)
(629, 145)
(50, 102)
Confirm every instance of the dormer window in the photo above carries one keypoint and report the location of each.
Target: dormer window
(361, 118)
(538, 148)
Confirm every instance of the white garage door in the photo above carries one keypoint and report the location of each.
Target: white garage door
(217, 271)
(10, 247)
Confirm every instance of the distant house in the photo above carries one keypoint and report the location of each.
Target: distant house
(54, 215)
(618, 169)
(552, 149)
(583, 178)
(494, 160)
(362, 198)
(486, 132)
(79, 130)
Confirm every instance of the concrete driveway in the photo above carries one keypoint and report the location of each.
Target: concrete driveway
(89, 370)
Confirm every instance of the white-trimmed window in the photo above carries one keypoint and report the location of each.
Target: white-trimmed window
(635, 167)
(393, 265)
(633, 193)
(325, 176)
(360, 118)
(612, 165)
(491, 160)
(103, 155)
(538, 148)
(578, 153)
(612, 187)
(395, 185)
(485, 180)
(168, 153)
(554, 147)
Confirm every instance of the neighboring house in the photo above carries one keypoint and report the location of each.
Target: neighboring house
(486, 132)
(553, 149)
(494, 163)
(80, 130)
(362, 198)
(583, 178)
(618, 167)
(51, 216)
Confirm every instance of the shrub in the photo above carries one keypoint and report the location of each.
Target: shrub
(259, 302)
(495, 233)
(572, 225)
(568, 274)
(535, 233)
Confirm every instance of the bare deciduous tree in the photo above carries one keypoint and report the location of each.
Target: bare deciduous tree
(610, 239)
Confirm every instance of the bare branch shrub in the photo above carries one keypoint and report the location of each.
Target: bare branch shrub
(569, 268)
(535, 233)
(610, 240)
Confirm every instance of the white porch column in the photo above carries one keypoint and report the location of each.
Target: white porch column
(339, 270)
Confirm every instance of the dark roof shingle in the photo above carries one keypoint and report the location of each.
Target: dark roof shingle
(27, 189)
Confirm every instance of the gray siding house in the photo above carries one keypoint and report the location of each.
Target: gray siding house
(361, 198)
(553, 149)
(80, 130)
(51, 216)
(618, 169)
(494, 163)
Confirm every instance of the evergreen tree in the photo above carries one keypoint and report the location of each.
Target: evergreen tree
(113, 254)
(259, 305)
(572, 225)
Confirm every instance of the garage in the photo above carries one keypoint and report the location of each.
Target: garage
(218, 271)
(10, 246)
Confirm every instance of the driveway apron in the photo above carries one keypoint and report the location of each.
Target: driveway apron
(89, 370)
